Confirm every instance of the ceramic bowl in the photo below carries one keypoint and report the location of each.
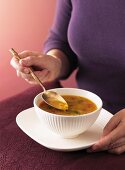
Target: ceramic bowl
(69, 126)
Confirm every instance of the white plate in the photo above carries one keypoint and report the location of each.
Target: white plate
(29, 123)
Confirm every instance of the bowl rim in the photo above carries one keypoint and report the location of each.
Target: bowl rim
(66, 116)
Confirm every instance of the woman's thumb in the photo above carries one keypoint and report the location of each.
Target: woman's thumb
(31, 61)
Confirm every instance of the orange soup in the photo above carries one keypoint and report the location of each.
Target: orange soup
(77, 106)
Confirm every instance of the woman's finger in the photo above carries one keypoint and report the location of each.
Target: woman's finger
(15, 63)
(112, 124)
(117, 150)
(106, 141)
(18, 73)
(118, 143)
(33, 61)
(32, 81)
(40, 74)
(27, 53)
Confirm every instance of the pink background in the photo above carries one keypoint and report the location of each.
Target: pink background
(24, 25)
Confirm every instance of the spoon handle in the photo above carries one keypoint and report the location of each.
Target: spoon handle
(15, 54)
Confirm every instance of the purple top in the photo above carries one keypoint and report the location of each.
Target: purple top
(92, 34)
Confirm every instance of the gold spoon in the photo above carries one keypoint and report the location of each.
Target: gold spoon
(50, 97)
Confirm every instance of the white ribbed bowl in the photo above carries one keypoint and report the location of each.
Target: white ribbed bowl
(69, 126)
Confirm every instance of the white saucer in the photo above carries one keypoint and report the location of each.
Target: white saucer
(29, 123)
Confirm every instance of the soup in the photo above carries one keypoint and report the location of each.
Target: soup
(77, 106)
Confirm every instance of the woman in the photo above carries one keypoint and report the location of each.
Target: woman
(87, 35)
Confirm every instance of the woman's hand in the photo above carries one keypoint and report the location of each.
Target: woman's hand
(113, 138)
(46, 67)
